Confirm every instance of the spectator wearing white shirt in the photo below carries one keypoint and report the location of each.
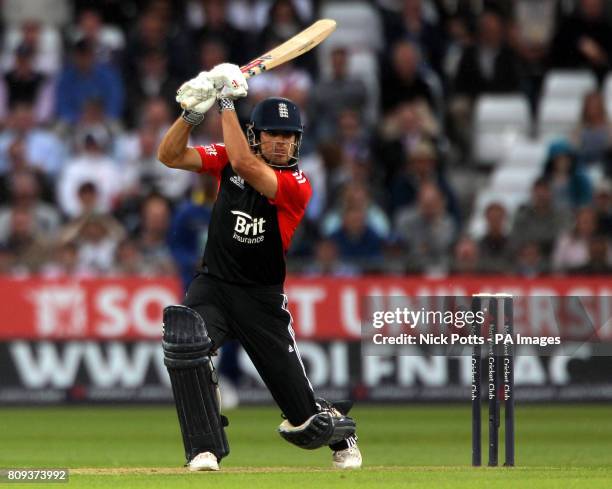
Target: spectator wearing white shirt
(91, 163)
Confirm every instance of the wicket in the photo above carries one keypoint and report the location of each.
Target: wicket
(496, 373)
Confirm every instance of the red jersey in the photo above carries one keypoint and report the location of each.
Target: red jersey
(250, 234)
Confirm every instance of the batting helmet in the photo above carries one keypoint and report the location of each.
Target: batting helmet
(276, 114)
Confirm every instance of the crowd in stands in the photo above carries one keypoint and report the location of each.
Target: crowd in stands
(87, 91)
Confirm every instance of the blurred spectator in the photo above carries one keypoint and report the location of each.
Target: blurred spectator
(490, 65)
(572, 247)
(53, 12)
(153, 234)
(570, 187)
(85, 79)
(539, 221)
(427, 229)
(603, 207)
(357, 195)
(404, 129)
(216, 26)
(593, 136)
(353, 136)
(187, 237)
(64, 262)
(584, 39)
(529, 262)
(494, 246)
(42, 38)
(144, 174)
(151, 80)
(43, 150)
(253, 14)
(599, 258)
(130, 261)
(466, 257)
(90, 164)
(328, 263)
(28, 248)
(96, 237)
(213, 51)
(412, 24)
(155, 115)
(358, 243)
(106, 40)
(340, 92)
(23, 84)
(420, 168)
(284, 22)
(529, 35)
(460, 36)
(402, 80)
(286, 80)
(25, 194)
(152, 32)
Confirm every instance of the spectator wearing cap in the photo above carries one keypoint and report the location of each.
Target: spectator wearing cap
(538, 220)
(84, 79)
(494, 246)
(570, 186)
(572, 246)
(24, 84)
(584, 39)
(428, 231)
(90, 164)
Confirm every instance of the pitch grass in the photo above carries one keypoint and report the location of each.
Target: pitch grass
(403, 446)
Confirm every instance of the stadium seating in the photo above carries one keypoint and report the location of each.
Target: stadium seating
(498, 121)
(568, 84)
(558, 117)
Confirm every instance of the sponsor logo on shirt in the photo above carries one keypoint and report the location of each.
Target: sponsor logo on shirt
(248, 229)
(236, 180)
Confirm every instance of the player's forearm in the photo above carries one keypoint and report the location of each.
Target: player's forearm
(236, 145)
(174, 143)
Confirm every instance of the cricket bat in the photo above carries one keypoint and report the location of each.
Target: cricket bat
(292, 48)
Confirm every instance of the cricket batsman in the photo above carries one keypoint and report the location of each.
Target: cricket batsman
(238, 290)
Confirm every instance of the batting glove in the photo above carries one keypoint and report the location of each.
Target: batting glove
(196, 93)
(229, 81)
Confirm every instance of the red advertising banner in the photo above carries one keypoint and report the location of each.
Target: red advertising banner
(322, 308)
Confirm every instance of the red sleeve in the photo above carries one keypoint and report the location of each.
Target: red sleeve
(214, 158)
(292, 196)
(293, 192)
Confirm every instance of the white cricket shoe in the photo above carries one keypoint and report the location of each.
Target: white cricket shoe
(349, 458)
(203, 461)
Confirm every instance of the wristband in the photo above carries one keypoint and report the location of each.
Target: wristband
(191, 117)
(225, 104)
